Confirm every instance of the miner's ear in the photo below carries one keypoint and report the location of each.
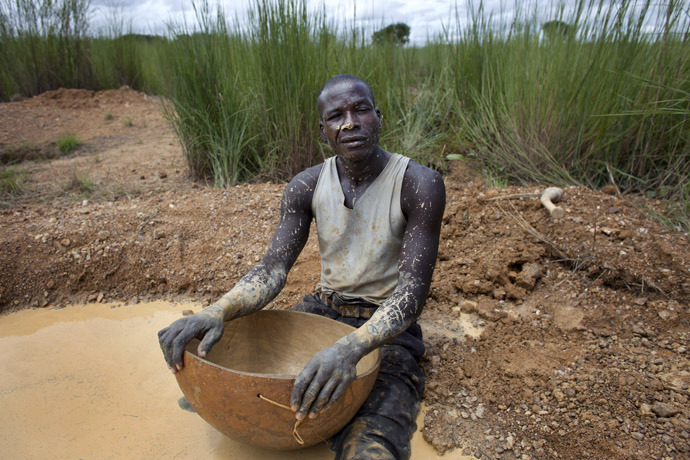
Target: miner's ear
(378, 114)
(322, 132)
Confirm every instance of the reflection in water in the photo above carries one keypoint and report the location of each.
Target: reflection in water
(90, 382)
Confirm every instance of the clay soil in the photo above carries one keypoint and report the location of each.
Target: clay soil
(584, 321)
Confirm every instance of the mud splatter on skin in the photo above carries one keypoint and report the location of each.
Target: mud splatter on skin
(330, 371)
(259, 286)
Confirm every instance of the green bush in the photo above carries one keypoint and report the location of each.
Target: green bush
(68, 143)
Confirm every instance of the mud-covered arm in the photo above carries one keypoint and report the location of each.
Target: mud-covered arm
(266, 279)
(330, 371)
(259, 286)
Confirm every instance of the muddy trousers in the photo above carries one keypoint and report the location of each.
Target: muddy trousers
(383, 426)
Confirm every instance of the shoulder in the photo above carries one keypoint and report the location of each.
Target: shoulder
(422, 190)
(299, 191)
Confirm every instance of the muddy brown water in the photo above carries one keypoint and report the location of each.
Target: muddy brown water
(90, 382)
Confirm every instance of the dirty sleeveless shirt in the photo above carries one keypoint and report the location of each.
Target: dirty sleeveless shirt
(360, 247)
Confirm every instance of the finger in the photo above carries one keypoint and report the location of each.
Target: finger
(324, 397)
(166, 346)
(303, 380)
(210, 339)
(162, 332)
(178, 348)
(310, 395)
(335, 396)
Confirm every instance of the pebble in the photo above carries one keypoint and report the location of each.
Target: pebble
(645, 409)
(480, 411)
(187, 312)
(664, 410)
(637, 435)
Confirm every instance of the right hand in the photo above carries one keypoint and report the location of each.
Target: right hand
(207, 326)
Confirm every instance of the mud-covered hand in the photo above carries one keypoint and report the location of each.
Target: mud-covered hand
(323, 380)
(207, 326)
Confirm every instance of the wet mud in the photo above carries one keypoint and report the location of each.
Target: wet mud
(90, 382)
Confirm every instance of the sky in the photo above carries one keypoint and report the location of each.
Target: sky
(425, 17)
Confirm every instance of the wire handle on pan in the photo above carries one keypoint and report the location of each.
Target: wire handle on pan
(295, 433)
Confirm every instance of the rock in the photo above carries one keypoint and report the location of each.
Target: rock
(637, 435)
(609, 189)
(162, 175)
(640, 301)
(667, 439)
(529, 275)
(50, 284)
(92, 298)
(664, 410)
(499, 293)
(100, 297)
(510, 441)
(187, 312)
(480, 411)
(612, 210)
(645, 409)
(569, 392)
(667, 315)
(158, 234)
(65, 242)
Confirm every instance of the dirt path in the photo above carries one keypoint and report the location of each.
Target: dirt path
(584, 322)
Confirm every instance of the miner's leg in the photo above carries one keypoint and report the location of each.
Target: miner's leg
(385, 423)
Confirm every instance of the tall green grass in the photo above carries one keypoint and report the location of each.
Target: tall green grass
(44, 46)
(608, 99)
(605, 98)
(243, 99)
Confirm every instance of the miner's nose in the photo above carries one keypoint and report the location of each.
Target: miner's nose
(350, 122)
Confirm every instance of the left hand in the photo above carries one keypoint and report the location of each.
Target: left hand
(323, 380)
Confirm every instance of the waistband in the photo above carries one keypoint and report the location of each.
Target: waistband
(350, 308)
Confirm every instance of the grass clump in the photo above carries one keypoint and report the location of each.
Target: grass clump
(81, 182)
(127, 122)
(11, 181)
(108, 116)
(68, 143)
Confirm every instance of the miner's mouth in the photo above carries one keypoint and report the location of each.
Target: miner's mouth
(353, 141)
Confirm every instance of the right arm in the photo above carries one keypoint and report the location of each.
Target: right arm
(259, 286)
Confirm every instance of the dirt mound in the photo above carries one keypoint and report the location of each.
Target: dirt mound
(584, 320)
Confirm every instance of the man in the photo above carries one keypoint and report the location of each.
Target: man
(378, 217)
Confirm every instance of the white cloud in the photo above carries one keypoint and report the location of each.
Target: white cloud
(425, 17)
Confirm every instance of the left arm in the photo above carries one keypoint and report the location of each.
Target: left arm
(331, 371)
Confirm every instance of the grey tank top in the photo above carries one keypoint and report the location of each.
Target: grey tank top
(360, 247)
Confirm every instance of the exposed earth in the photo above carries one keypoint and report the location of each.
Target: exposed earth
(579, 344)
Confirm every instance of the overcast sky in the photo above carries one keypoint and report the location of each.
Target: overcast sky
(425, 17)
